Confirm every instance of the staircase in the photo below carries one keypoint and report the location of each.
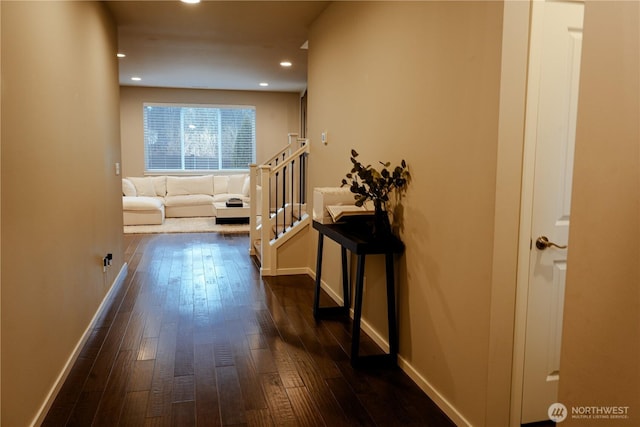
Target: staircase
(278, 209)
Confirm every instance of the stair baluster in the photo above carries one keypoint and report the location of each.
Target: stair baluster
(277, 222)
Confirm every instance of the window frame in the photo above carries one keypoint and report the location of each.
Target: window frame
(183, 171)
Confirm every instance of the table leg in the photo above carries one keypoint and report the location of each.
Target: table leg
(316, 297)
(357, 310)
(391, 308)
(345, 281)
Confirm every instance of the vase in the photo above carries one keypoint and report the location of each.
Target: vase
(381, 224)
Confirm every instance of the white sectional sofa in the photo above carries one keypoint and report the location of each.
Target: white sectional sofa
(149, 199)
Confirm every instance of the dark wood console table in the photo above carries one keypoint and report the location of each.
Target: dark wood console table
(356, 238)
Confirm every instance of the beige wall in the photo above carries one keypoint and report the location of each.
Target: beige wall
(61, 204)
(600, 362)
(277, 114)
(420, 81)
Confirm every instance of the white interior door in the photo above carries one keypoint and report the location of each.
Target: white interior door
(556, 48)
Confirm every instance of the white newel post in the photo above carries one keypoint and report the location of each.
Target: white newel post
(253, 208)
(268, 261)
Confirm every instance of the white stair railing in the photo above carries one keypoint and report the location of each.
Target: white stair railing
(278, 201)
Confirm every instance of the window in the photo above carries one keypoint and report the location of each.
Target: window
(198, 138)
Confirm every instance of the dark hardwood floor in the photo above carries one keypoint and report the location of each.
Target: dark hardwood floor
(194, 336)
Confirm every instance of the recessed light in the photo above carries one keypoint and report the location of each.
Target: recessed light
(286, 64)
(136, 79)
(190, 1)
(120, 55)
(264, 84)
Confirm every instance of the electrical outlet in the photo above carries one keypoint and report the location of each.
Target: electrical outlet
(106, 262)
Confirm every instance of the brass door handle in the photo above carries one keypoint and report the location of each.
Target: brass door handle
(543, 243)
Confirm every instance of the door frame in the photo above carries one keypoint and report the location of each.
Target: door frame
(526, 208)
(513, 217)
(503, 389)
(526, 212)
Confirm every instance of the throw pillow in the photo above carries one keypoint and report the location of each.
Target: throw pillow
(246, 186)
(128, 189)
(186, 185)
(220, 184)
(144, 186)
(236, 182)
(160, 184)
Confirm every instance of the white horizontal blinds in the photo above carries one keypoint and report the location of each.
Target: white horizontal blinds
(162, 138)
(238, 138)
(192, 138)
(201, 138)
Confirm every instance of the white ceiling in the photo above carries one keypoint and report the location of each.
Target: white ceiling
(214, 44)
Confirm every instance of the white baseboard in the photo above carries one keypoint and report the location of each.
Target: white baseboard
(447, 407)
(44, 409)
(291, 271)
